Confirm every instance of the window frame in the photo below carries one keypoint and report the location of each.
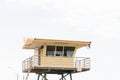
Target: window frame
(50, 52)
(62, 51)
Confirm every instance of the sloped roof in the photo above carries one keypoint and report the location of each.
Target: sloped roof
(35, 43)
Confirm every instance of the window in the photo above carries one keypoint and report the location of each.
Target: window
(68, 51)
(59, 51)
(50, 50)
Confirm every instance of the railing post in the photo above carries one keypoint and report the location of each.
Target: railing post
(76, 63)
(79, 63)
(27, 64)
(31, 63)
(84, 63)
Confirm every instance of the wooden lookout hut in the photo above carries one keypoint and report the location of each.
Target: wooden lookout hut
(55, 57)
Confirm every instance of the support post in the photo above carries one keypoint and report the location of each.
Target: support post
(38, 77)
(45, 76)
(62, 76)
(70, 76)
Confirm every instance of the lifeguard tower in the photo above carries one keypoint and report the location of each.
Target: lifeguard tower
(55, 57)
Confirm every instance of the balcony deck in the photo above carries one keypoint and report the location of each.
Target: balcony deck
(80, 64)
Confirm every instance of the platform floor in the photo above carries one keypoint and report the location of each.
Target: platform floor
(54, 70)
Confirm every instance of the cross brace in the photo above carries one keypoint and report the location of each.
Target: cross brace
(63, 76)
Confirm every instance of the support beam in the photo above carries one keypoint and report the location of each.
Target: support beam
(70, 76)
(63, 76)
(43, 76)
(38, 77)
(28, 74)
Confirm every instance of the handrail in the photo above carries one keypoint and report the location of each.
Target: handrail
(78, 62)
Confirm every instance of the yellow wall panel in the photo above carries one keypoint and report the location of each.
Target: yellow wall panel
(57, 61)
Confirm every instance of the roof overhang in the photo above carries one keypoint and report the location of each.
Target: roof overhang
(36, 43)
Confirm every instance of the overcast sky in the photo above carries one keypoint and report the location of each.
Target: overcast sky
(97, 21)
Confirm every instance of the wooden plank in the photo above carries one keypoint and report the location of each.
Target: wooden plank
(34, 43)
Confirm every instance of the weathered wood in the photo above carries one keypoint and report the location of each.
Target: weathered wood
(34, 43)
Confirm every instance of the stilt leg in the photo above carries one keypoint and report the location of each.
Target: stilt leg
(42, 77)
(70, 76)
(45, 76)
(62, 77)
(38, 77)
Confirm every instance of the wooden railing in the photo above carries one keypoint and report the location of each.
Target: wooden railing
(78, 62)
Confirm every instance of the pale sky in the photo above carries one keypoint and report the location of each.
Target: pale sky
(97, 21)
